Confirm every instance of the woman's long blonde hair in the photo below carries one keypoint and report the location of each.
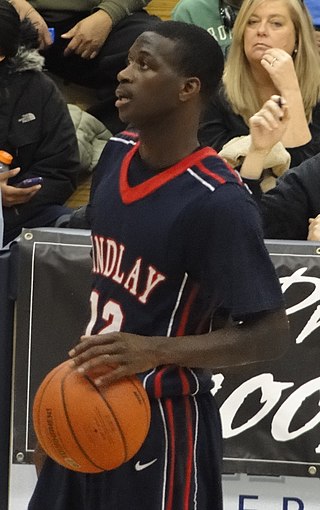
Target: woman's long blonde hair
(237, 78)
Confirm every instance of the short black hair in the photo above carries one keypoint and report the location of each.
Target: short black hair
(198, 53)
(9, 29)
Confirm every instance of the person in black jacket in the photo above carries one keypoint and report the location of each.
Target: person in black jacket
(287, 208)
(290, 210)
(36, 128)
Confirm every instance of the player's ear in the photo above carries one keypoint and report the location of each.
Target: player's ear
(190, 88)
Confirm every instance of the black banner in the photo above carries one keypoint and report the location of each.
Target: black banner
(270, 411)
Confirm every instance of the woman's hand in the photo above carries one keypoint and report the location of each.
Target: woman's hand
(268, 125)
(280, 67)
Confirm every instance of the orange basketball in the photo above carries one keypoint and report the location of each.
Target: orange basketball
(88, 428)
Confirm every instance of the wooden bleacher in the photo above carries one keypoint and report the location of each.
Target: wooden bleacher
(161, 8)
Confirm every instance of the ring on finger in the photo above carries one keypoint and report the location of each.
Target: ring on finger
(273, 61)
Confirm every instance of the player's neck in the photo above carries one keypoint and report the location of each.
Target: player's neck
(166, 146)
(158, 158)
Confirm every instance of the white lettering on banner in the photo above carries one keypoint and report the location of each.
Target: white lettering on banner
(298, 278)
(271, 392)
(283, 417)
(217, 380)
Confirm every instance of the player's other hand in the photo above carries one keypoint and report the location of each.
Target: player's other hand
(125, 353)
(88, 36)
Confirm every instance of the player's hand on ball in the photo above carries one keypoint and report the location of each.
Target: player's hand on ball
(125, 353)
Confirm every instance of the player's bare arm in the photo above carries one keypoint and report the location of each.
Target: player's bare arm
(261, 337)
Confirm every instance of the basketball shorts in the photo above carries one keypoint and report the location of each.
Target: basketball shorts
(177, 468)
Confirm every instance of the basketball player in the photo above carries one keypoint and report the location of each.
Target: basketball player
(182, 283)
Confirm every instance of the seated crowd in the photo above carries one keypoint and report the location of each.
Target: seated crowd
(264, 120)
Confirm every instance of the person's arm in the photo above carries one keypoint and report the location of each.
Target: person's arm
(260, 337)
(88, 35)
(119, 9)
(25, 10)
(280, 67)
(267, 127)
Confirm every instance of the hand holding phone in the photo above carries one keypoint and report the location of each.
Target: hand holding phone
(27, 183)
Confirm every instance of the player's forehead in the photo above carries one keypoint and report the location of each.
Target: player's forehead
(154, 45)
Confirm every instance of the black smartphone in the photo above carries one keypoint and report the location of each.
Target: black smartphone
(32, 181)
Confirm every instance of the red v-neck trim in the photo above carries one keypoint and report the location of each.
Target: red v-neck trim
(131, 194)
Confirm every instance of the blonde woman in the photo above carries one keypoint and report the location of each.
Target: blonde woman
(273, 52)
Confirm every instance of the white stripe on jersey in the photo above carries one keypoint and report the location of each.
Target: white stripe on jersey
(205, 183)
(184, 281)
(127, 142)
(165, 464)
(196, 428)
(197, 382)
(145, 379)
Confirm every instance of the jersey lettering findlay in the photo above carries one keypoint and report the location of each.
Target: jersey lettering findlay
(107, 261)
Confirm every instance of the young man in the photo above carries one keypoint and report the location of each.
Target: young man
(182, 286)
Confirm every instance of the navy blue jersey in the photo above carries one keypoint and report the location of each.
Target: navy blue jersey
(172, 251)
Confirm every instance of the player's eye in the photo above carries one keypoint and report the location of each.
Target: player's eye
(143, 64)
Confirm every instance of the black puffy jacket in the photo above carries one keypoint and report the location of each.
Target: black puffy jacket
(36, 128)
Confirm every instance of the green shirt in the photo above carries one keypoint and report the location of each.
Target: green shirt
(117, 9)
(205, 14)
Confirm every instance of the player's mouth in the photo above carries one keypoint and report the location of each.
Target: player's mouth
(123, 98)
